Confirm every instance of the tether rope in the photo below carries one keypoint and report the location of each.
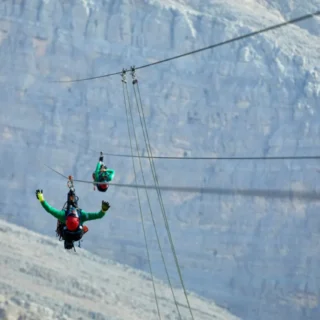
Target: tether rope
(140, 208)
(153, 169)
(152, 217)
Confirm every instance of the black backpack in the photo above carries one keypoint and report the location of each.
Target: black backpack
(68, 236)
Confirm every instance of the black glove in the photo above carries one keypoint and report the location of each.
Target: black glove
(105, 206)
(38, 192)
(101, 156)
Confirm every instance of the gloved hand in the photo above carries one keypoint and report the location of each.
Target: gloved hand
(39, 195)
(105, 206)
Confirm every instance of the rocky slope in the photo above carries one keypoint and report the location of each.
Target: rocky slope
(40, 280)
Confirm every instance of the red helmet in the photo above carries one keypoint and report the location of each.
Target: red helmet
(72, 220)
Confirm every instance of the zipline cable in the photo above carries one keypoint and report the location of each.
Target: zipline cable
(153, 169)
(264, 193)
(216, 158)
(251, 34)
(121, 155)
(125, 89)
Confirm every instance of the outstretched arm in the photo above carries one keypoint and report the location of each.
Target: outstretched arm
(86, 216)
(59, 214)
(108, 175)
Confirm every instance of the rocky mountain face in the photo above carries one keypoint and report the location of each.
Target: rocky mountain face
(41, 281)
(255, 97)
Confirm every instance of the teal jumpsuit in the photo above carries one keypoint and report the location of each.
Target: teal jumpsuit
(103, 176)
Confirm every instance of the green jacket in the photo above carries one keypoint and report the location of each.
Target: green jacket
(60, 214)
(108, 175)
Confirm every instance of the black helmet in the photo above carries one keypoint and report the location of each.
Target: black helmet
(71, 193)
(73, 202)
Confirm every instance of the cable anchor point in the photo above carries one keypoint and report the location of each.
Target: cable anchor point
(133, 74)
(70, 183)
(123, 75)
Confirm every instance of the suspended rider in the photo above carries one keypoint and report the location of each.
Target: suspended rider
(102, 174)
(70, 226)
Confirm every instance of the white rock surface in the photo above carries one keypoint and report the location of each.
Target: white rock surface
(40, 280)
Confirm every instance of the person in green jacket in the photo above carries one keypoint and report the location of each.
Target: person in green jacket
(102, 174)
(72, 217)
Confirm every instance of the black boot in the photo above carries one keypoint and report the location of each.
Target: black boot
(68, 245)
